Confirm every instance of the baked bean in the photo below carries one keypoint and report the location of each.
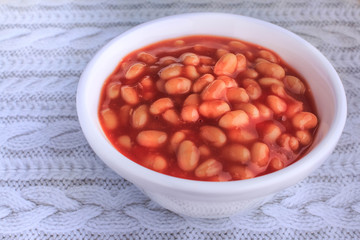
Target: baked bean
(109, 118)
(191, 72)
(125, 141)
(207, 60)
(294, 85)
(260, 154)
(239, 172)
(192, 99)
(161, 105)
(187, 155)
(237, 95)
(178, 85)
(140, 117)
(259, 60)
(238, 45)
(171, 116)
(251, 110)
(221, 177)
(215, 90)
(250, 73)
(279, 91)
(294, 143)
(176, 139)
(190, 59)
(190, 113)
(146, 83)
(213, 108)
(304, 120)
(151, 138)
(265, 112)
(204, 69)
(237, 153)
(276, 104)
(252, 88)
(147, 58)
(209, 168)
(304, 137)
(213, 135)
(288, 142)
(129, 95)
(242, 135)
(276, 163)
(148, 95)
(234, 119)
(269, 69)
(221, 52)
(229, 82)
(113, 90)
(135, 71)
(270, 132)
(226, 65)
(204, 151)
(293, 108)
(268, 56)
(124, 115)
(179, 43)
(171, 71)
(164, 61)
(268, 81)
(241, 62)
(160, 85)
(202, 82)
(156, 162)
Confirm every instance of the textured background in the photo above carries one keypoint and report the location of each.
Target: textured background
(52, 186)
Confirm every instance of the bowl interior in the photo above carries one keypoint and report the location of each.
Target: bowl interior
(310, 63)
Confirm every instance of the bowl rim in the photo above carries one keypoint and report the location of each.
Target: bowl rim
(265, 183)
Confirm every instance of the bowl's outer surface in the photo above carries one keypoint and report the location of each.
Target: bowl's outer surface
(213, 198)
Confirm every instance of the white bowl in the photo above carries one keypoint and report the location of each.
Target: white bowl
(215, 199)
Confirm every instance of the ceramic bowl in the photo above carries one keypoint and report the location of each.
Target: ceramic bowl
(215, 199)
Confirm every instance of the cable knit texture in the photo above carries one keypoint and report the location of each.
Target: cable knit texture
(52, 186)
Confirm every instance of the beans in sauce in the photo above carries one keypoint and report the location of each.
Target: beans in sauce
(208, 108)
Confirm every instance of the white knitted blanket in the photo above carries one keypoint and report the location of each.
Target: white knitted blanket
(52, 186)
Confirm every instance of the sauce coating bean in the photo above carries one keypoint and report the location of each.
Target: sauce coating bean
(213, 108)
(209, 168)
(151, 138)
(294, 85)
(161, 105)
(188, 156)
(202, 82)
(226, 65)
(269, 69)
(140, 116)
(135, 71)
(213, 135)
(109, 118)
(129, 95)
(304, 120)
(260, 154)
(171, 71)
(234, 119)
(156, 162)
(215, 90)
(179, 85)
(237, 153)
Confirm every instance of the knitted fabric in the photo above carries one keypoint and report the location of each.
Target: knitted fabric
(53, 186)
